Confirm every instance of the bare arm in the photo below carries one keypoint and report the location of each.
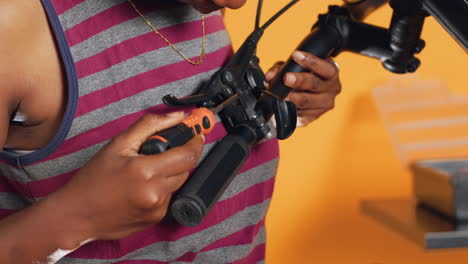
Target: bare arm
(33, 233)
(117, 193)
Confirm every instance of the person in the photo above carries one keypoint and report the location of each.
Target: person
(82, 83)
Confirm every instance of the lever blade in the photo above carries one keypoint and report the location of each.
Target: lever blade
(171, 100)
(285, 117)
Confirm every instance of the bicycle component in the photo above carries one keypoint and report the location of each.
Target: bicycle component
(245, 124)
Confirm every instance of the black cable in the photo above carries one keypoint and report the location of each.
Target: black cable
(271, 20)
(259, 12)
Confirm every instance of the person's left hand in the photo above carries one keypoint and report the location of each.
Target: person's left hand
(313, 92)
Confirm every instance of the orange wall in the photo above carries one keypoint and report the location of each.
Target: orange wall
(345, 156)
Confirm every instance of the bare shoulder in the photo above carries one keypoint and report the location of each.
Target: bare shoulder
(18, 32)
(18, 15)
(26, 38)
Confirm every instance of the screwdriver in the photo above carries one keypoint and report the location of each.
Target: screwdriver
(199, 121)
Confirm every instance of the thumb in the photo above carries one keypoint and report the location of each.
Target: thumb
(273, 71)
(145, 127)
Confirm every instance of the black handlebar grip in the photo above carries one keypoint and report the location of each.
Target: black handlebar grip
(204, 187)
(322, 42)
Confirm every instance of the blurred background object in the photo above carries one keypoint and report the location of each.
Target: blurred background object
(425, 120)
(346, 156)
(428, 126)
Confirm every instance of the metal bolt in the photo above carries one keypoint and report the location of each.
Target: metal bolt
(413, 65)
(228, 76)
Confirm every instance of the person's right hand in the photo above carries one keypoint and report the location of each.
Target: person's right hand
(120, 191)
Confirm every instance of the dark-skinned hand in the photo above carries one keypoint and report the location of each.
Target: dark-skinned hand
(119, 191)
(313, 92)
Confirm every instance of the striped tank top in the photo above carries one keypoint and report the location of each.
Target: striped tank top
(117, 69)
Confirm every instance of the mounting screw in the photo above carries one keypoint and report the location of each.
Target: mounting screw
(413, 65)
(227, 77)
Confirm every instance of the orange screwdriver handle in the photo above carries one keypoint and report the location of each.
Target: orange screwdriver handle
(200, 121)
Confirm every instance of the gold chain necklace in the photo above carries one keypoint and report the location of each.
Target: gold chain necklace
(202, 54)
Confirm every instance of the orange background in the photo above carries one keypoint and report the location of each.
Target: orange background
(345, 156)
